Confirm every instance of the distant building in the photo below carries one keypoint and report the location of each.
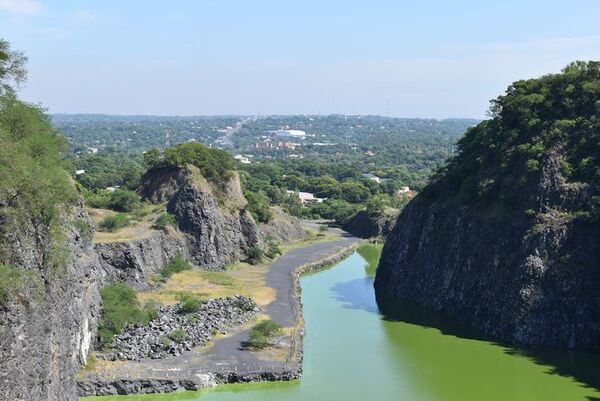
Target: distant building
(290, 133)
(93, 150)
(242, 159)
(287, 145)
(404, 190)
(79, 172)
(306, 197)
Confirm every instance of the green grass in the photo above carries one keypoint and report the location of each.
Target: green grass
(175, 265)
(219, 278)
(114, 223)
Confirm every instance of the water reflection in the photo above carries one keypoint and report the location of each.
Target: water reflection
(579, 365)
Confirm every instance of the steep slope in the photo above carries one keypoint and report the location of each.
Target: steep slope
(505, 238)
(49, 299)
(215, 227)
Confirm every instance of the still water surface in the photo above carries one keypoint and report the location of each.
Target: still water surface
(353, 353)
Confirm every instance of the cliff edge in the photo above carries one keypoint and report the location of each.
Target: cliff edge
(505, 238)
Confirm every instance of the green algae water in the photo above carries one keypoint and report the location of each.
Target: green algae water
(354, 353)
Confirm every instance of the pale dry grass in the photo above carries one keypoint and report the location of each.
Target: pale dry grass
(241, 279)
(136, 230)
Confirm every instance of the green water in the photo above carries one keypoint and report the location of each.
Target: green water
(352, 353)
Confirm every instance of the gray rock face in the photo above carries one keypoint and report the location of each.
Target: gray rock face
(211, 231)
(370, 226)
(283, 227)
(46, 331)
(529, 281)
(132, 262)
(215, 235)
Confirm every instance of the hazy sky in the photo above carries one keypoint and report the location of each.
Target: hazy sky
(415, 58)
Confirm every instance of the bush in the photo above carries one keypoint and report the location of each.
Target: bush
(178, 335)
(151, 309)
(262, 332)
(163, 221)
(97, 198)
(255, 255)
(123, 200)
(272, 249)
(175, 265)
(84, 229)
(120, 308)
(259, 206)
(189, 303)
(114, 223)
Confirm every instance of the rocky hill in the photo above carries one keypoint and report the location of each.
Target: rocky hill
(505, 238)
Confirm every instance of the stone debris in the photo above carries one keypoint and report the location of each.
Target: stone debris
(174, 332)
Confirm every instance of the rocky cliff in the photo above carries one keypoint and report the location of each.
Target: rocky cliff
(212, 225)
(505, 238)
(132, 262)
(49, 314)
(282, 227)
(370, 225)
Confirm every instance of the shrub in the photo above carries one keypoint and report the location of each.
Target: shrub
(120, 308)
(178, 335)
(97, 198)
(114, 223)
(151, 309)
(164, 341)
(255, 255)
(84, 229)
(262, 332)
(258, 206)
(272, 249)
(123, 200)
(163, 221)
(175, 265)
(189, 303)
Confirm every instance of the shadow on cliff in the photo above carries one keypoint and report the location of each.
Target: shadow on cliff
(579, 365)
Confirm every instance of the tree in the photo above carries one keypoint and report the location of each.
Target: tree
(12, 68)
(152, 157)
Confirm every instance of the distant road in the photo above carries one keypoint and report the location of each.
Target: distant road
(227, 138)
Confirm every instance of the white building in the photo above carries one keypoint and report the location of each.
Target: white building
(79, 172)
(404, 190)
(306, 197)
(242, 159)
(290, 133)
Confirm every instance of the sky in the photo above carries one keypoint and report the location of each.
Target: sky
(400, 58)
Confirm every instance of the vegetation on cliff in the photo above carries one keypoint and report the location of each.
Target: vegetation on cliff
(34, 186)
(32, 176)
(556, 114)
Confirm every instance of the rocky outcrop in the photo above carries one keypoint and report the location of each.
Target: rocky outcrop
(213, 229)
(48, 325)
(132, 262)
(282, 227)
(212, 225)
(372, 225)
(505, 239)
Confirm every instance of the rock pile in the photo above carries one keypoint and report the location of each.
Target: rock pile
(174, 332)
